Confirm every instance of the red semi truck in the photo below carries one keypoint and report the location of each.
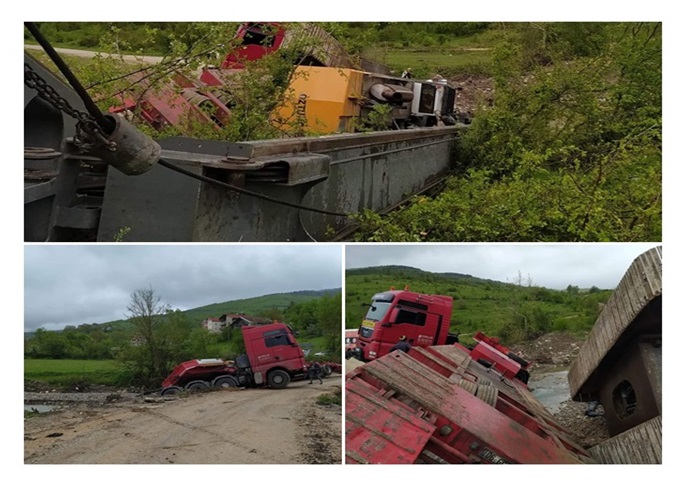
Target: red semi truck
(272, 357)
(424, 320)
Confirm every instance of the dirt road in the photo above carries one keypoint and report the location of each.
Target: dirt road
(253, 426)
(82, 53)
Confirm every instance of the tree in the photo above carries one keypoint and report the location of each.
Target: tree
(274, 314)
(329, 316)
(149, 361)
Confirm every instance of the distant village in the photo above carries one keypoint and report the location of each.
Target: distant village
(233, 321)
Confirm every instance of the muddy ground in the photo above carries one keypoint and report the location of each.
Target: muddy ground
(473, 93)
(551, 354)
(237, 426)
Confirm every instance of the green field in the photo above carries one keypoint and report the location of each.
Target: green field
(66, 372)
(447, 62)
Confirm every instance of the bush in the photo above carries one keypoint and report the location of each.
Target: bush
(330, 399)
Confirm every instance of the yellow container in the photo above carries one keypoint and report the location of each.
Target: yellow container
(322, 100)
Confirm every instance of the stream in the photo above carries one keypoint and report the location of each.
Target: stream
(551, 389)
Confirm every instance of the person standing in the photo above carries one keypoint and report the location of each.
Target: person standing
(402, 345)
(315, 372)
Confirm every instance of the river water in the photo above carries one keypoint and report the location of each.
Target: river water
(551, 389)
(40, 408)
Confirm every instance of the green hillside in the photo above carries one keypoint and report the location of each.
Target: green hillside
(512, 312)
(255, 306)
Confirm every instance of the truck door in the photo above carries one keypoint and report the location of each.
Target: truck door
(276, 347)
(416, 322)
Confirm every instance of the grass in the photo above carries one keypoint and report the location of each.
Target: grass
(427, 62)
(63, 372)
(330, 398)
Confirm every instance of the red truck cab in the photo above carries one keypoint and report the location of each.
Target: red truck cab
(257, 39)
(423, 319)
(272, 357)
(274, 354)
(351, 336)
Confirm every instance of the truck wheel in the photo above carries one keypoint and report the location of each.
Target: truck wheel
(197, 386)
(171, 390)
(327, 370)
(518, 359)
(523, 376)
(225, 382)
(278, 379)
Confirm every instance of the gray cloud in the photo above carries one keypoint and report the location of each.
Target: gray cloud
(553, 266)
(76, 284)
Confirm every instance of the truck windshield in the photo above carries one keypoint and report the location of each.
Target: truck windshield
(377, 311)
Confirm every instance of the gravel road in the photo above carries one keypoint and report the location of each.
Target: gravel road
(240, 426)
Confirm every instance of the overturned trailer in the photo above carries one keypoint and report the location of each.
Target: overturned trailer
(439, 405)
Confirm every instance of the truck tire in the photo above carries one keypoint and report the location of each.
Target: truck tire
(171, 390)
(518, 359)
(523, 376)
(484, 362)
(224, 382)
(327, 370)
(278, 379)
(197, 386)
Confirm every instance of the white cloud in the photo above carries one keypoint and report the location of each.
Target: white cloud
(549, 265)
(75, 284)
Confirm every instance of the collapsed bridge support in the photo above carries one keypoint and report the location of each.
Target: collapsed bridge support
(337, 174)
(620, 365)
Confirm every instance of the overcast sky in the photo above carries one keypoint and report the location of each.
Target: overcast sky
(79, 284)
(552, 266)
